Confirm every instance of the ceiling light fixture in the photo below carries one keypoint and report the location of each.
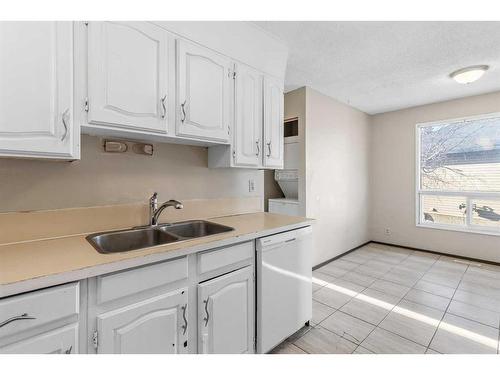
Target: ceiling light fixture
(469, 74)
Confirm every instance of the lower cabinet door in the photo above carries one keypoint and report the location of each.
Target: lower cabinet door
(226, 313)
(155, 326)
(58, 341)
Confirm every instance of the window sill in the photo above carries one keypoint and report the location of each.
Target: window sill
(460, 229)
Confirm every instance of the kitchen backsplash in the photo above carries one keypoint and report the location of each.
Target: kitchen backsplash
(99, 178)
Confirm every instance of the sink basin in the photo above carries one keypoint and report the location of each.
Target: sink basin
(195, 229)
(140, 238)
(126, 240)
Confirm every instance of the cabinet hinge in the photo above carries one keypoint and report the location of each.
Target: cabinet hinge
(86, 23)
(86, 105)
(234, 154)
(95, 340)
(234, 75)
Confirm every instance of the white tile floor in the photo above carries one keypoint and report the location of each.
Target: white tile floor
(386, 299)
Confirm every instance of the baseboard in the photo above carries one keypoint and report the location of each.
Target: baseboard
(433, 252)
(409, 248)
(339, 256)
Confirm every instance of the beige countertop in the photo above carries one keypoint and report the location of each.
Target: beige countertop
(37, 264)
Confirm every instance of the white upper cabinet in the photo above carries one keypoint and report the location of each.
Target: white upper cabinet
(36, 95)
(127, 76)
(226, 313)
(273, 123)
(203, 93)
(158, 325)
(258, 139)
(247, 135)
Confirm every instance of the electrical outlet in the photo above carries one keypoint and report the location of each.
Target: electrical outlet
(387, 231)
(251, 186)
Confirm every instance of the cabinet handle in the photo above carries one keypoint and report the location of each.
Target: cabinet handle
(258, 147)
(207, 318)
(269, 148)
(183, 111)
(64, 115)
(162, 101)
(185, 326)
(24, 316)
(68, 351)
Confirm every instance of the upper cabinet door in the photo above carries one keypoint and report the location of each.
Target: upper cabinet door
(273, 123)
(127, 75)
(36, 95)
(226, 313)
(203, 93)
(154, 326)
(247, 139)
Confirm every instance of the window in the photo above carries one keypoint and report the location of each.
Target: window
(458, 174)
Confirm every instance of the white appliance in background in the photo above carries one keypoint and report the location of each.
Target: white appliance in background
(284, 206)
(284, 305)
(288, 180)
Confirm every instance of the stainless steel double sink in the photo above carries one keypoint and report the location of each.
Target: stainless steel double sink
(140, 238)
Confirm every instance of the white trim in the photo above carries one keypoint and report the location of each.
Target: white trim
(468, 227)
(455, 193)
(459, 119)
(457, 228)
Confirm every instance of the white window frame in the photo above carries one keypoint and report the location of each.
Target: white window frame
(469, 195)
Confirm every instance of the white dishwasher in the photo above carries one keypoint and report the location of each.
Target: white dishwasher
(284, 296)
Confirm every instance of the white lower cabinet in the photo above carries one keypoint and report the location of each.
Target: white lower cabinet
(42, 321)
(155, 326)
(226, 313)
(57, 341)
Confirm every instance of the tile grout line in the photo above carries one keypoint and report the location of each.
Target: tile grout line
(426, 347)
(378, 325)
(498, 344)
(446, 310)
(380, 277)
(400, 299)
(392, 266)
(338, 309)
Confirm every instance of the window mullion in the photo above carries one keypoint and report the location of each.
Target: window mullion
(468, 212)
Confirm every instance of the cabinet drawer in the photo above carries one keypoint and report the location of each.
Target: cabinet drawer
(218, 258)
(125, 283)
(35, 309)
(58, 341)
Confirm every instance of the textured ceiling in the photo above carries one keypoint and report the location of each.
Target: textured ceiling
(384, 66)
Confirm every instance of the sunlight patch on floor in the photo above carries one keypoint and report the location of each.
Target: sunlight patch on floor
(473, 336)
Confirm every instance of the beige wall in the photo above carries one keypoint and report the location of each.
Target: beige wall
(337, 174)
(175, 171)
(393, 180)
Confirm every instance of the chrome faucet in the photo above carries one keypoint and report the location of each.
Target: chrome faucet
(155, 211)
